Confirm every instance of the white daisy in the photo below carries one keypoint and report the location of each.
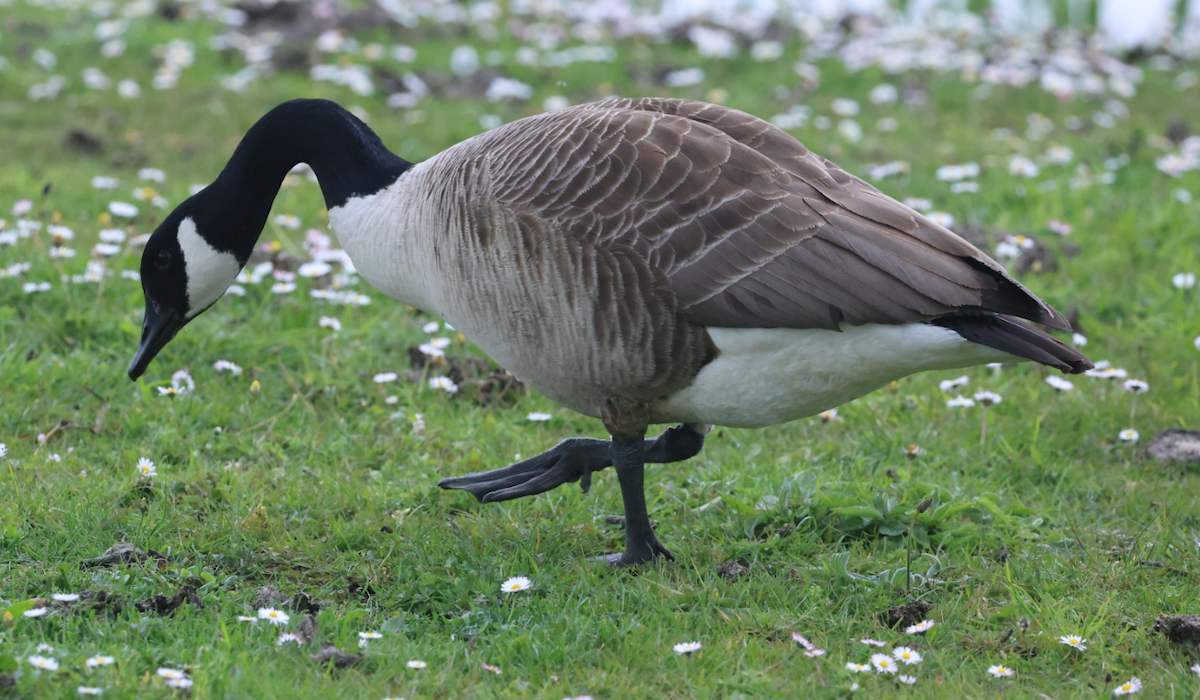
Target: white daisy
(538, 417)
(330, 322)
(1001, 671)
(277, 617)
(1128, 435)
(1136, 386)
(906, 655)
(1184, 280)
(369, 635)
(65, 597)
(948, 384)
(95, 661)
(827, 416)
(443, 383)
(883, 663)
(89, 690)
(179, 683)
(36, 612)
(145, 467)
(489, 667)
(813, 653)
(287, 637)
(415, 663)
(1129, 687)
(1073, 640)
(799, 639)
(431, 327)
(920, 628)
(872, 642)
(687, 647)
(122, 209)
(170, 673)
(1059, 383)
(246, 618)
(987, 398)
(908, 680)
(384, 377)
(960, 402)
(45, 663)
(857, 668)
(514, 584)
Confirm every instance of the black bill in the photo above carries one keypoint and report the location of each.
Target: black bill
(157, 331)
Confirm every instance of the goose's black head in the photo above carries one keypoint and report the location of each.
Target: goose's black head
(183, 273)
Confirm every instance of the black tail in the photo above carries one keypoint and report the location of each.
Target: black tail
(996, 331)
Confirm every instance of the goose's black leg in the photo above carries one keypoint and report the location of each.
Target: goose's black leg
(573, 459)
(641, 546)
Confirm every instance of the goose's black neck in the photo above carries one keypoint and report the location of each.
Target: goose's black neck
(346, 155)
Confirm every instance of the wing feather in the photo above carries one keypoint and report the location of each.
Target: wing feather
(749, 228)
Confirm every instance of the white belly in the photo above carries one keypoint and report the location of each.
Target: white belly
(768, 376)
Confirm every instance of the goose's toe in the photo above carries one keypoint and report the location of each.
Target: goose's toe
(570, 460)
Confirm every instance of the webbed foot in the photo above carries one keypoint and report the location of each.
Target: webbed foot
(573, 459)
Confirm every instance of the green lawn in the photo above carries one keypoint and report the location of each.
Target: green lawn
(304, 474)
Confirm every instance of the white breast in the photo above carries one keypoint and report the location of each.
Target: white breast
(768, 376)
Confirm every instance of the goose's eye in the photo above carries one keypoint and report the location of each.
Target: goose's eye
(162, 259)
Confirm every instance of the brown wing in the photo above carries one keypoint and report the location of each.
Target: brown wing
(750, 228)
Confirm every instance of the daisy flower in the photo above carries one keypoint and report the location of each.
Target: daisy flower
(1073, 640)
(330, 323)
(814, 653)
(227, 366)
(384, 377)
(88, 690)
(960, 402)
(122, 209)
(1136, 386)
(920, 628)
(907, 680)
(1129, 687)
(912, 451)
(179, 683)
(687, 647)
(905, 655)
(948, 384)
(95, 661)
(370, 635)
(416, 664)
(883, 663)
(65, 597)
(1059, 383)
(287, 637)
(538, 417)
(431, 327)
(1001, 671)
(514, 584)
(489, 667)
(1184, 280)
(987, 398)
(283, 287)
(44, 648)
(36, 612)
(443, 383)
(857, 668)
(45, 663)
(799, 639)
(246, 618)
(145, 467)
(273, 616)
(827, 416)
(872, 642)
(1196, 669)
(1128, 435)
(170, 673)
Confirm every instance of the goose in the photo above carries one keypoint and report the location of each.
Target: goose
(641, 261)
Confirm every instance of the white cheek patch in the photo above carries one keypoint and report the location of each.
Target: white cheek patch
(209, 271)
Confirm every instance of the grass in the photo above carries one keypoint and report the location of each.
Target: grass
(315, 484)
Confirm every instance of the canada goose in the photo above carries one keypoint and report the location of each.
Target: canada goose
(636, 260)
